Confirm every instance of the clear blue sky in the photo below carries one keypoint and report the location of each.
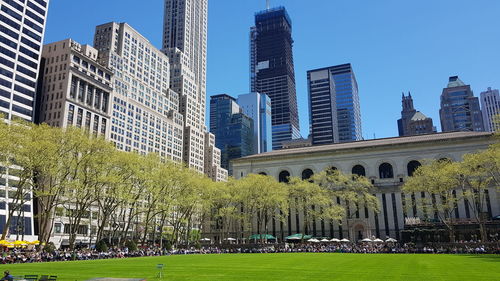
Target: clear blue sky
(394, 45)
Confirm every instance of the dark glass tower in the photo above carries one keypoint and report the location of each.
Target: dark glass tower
(233, 130)
(460, 110)
(334, 110)
(272, 71)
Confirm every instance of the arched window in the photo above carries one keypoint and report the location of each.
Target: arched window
(412, 167)
(284, 176)
(307, 174)
(358, 170)
(262, 174)
(385, 171)
(331, 170)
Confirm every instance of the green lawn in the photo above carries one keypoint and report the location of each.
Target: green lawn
(305, 266)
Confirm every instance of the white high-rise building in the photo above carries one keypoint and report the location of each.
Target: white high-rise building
(185, 43)
(490, 106)
(22, 27)
(144, 110)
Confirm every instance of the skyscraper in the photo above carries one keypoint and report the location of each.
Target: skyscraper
(22, 29)
(334, 110)
(490, 106)
(233, 130)
(413, 122)
(459, 108)
(145, 114)
(258, 107)
(185, 43)
(272, 71)
(81, 95)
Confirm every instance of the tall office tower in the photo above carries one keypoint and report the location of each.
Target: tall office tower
(213, 160)
(22, 27)
(272, 71)
(258, 107)
(145, 112)
(459, 108)
(233, 130)
(334, 111)
(490, 106)
(185, 43)
(74, 88)
(413, 122)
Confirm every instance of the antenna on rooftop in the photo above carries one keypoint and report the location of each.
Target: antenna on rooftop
(268, 4)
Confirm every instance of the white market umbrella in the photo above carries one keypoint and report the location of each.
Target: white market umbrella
(345, 240)
(205, 239)
(378, 240)
(335, 240)
(391, 240)
(325, 240)
(367, 240)
(230, 239)
(313, 240)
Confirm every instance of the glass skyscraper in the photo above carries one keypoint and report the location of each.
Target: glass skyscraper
(459, 108)
(233, 130)
(334, 109)
(272, 71)
(258, 107)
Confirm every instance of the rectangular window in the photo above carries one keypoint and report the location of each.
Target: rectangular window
(5, 30)
(24, 91)
(25, 81)
(79, 118)
(36, 8)
(26, 71)
(32, 35)
(27, 62)
(11, 13)
(24, 101)
(22, 110)
(28, 53)
(87, 120)
(10, 22)
(29, 43)
(8, 42)
(35, 17)
(81, 91)
(6, 73)
(71, 113)
(7, 52)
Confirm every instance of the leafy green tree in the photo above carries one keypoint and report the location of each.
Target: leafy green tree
(262, 198)
(313, 201)
(355, 190)
(437, 179)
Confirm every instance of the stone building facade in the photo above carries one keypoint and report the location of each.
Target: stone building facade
(387, 163)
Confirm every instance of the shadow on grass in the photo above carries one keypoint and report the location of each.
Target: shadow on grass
(488, 258)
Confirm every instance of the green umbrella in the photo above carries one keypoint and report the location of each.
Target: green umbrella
(264, 236)
(298, 236)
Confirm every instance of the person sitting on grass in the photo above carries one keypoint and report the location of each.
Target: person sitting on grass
(7, 276)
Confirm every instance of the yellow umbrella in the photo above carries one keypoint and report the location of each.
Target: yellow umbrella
(4, 242)
(19, 243)
(36, 242)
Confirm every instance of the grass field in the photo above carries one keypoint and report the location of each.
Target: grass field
(306, 266)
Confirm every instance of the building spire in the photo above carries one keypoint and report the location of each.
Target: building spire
(268, 4)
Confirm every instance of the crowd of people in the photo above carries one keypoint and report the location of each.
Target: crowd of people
(32, 256)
